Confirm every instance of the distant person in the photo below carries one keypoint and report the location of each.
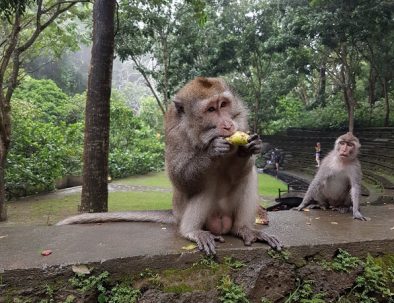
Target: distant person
(276, 158)
(317, 153)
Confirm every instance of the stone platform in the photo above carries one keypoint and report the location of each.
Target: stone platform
(132, 247)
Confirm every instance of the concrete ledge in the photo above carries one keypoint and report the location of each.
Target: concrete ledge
(129, 248)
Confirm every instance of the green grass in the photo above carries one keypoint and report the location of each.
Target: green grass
(153, 179)
(268, 185)
(119, 201)
(51, 208)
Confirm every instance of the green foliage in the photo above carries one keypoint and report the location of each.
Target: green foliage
(233, 263)
(53, 103)
(207, 261)
(123, 293)
(283, 255)
(289, 113)
(374, 283)
(38, 156)
(134, 147)
(304, 294)
(47, 139)
(10, 7)
(343, 261)
(120, 293)
(150, 114)
(230, 292)
(85, 284)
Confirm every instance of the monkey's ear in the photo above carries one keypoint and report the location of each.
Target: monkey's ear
(179, 106)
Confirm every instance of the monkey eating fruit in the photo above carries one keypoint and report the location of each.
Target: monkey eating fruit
(337, 183)
(214, 181)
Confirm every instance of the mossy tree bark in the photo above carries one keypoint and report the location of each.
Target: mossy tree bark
(97, 118)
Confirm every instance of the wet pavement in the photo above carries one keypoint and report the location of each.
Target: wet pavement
(21, 246)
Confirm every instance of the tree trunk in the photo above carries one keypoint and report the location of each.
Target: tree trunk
(5, 139)
(350, 105)
(95, 172)
(386, 103)
(3, 157)
(371, 91)
(321, 94)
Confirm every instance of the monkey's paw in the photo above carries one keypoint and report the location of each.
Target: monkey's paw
(219, 147)
(205, 241)
(254, 146)
(250, 236)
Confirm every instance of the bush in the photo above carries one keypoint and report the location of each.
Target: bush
(47, 139)
(134, 147)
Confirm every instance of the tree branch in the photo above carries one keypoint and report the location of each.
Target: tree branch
(147, 82)
(11, 48)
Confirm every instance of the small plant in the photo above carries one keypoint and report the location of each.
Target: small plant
(304, 294)
(208, 261)
(70, 299)
(85, 284)
(151, 276)
(343, 261)
(233, 263)
(230, 292)
(373, 283)
(124, 294)
(282, 255)
(265, 300)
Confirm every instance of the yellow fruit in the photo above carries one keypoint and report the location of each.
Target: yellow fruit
(238, 138)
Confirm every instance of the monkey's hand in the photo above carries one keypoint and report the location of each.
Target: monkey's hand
(219, 147)
(252, 235)
(205, 241)
(358, 216)
(254, 146)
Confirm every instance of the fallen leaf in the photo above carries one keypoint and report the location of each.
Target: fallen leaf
(307, 209)
(189, 247)
(392, 228)
(308, 223)
(81, 269)
(261, 221)
(46, 252)
(2, 237)
(164, 228)
(334, 223)
(317, 218)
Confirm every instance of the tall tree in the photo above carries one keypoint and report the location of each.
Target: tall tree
(21, 24)
(95, 170)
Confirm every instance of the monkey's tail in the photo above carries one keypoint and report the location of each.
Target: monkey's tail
(158, 216)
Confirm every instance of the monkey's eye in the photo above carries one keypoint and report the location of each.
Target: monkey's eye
(211, 109)
(224, 104)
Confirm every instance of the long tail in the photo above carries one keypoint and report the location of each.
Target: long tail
(158, 216)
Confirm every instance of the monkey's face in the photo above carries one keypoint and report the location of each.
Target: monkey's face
(217, 115)
(347, 146)
(346, 149)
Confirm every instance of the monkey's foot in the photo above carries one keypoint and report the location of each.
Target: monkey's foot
(252, 235)
(205, 241)
(315, 206)
(342, 210)
(358, 216)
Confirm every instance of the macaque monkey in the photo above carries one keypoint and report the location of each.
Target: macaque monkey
(337, 183)
(214, 182)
